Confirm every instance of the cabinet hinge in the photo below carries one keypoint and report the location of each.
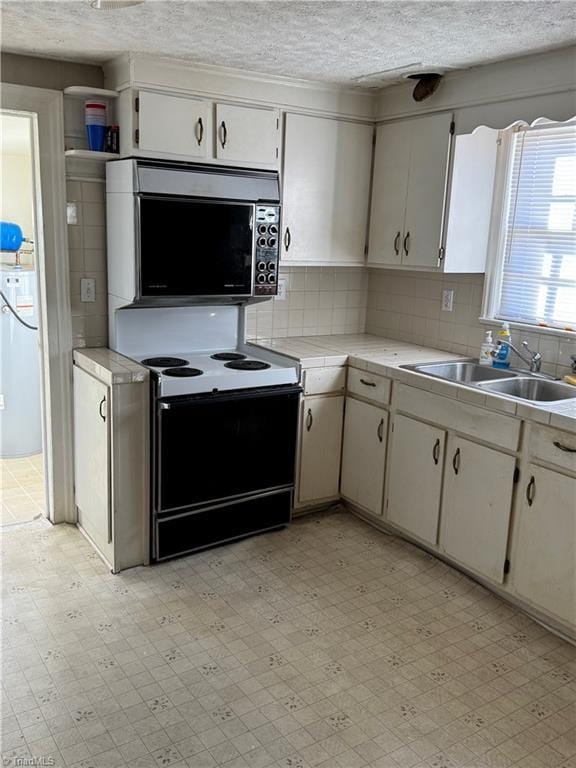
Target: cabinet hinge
(392, 427)
(452, 128)
(516, 474)
(276, 153)
(374, 139)
(441, 253)
(366, 250)
(137, 136)
(277, 123)
(506, 566)
(137, 104)
(386, 503)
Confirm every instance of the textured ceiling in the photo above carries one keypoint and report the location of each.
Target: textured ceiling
(326, 41)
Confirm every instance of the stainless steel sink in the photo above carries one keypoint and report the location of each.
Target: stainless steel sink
(462, 372)
(533, 389)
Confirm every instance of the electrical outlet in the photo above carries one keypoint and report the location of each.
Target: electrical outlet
(447, 301)
(72, 213)
(87, 289)
(281, 295)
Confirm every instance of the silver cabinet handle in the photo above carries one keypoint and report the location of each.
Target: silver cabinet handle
(397, 243)
(102, 415)
(199, 131)
(456, 461)
(309, 420)
(436, 452)
(380, 430)
(287, 239)
(406, 244)
(531, 491)
(223, 134)
(565, 448)
(367, 383)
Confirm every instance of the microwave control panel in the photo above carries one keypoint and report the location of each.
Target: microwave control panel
(267, 250)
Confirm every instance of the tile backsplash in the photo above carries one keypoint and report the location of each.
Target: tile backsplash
(87, 258)
(407, 306)
(319, 301)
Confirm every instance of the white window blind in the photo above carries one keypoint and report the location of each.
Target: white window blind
(538, 283)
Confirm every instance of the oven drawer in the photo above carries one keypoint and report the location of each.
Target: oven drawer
(215, 525)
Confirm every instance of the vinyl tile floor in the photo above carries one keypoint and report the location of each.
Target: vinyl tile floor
(328, 645)
(22, 491)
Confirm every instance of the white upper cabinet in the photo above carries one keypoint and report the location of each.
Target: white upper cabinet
(408, 192)
(174, 125)
(389, 187)
(195, 129)
(247, 134)
(429, 153)
(326, 184)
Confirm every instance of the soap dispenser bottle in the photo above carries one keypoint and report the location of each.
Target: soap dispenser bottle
(501, 355)
(486, 350)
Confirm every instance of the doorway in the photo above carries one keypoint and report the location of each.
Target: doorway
(44, 110)
(22, 455)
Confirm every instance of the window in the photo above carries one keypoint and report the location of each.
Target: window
(535, 280)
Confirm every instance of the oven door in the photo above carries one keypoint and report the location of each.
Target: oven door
(190, 247)
(230, 445)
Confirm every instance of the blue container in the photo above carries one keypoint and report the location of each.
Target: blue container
(96, 137)
(11, 237)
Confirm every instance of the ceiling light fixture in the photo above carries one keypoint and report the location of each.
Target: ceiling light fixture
(113, 5)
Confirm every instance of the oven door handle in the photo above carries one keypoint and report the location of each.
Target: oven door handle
(168, 403)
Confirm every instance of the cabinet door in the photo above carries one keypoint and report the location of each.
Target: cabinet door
(320, 449)
(476, 505)
(246, 134)
(364, 455)
(92, 459)
(544, 556)
(174, 125)
(416, 451)
(389, 188)
(325, 190)
(429, 153)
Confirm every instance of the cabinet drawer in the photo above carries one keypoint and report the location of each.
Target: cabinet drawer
(553, 446)
(369, 385)
(318, 381)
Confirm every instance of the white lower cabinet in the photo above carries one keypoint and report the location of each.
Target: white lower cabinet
(476, 506)
(92, 459)
(364, 455)
(111, 477)
(543, 563)
(414, 482)
(320, 449)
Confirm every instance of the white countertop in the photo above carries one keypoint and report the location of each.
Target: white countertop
(110, 367)
(377, 354)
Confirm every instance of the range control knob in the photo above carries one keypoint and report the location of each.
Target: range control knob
(272, 279)
(262, 229)
(272, 242)
(261, 278)
(273, 229)
(272, 266)
(261, 266)
(262, 242)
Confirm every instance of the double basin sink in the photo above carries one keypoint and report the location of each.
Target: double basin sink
(516, 384)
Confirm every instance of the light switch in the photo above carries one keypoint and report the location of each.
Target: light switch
(447, 301)
(87, 289)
